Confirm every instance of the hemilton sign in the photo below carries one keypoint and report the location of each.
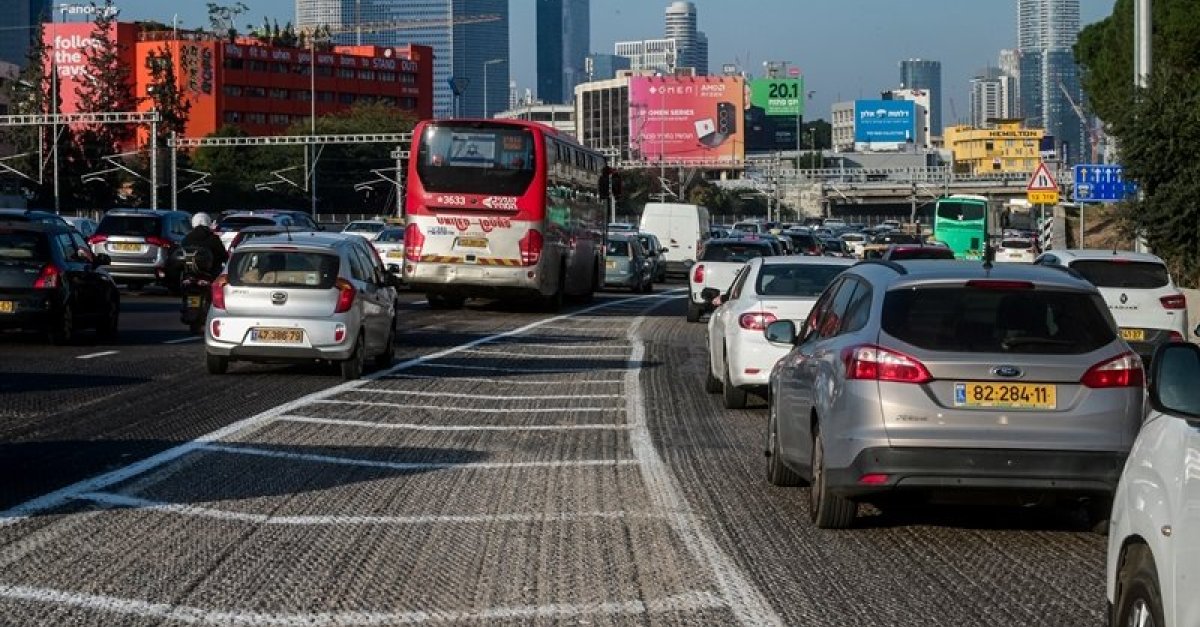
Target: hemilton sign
(1013, 134)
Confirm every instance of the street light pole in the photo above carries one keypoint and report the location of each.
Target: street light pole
(486, 114)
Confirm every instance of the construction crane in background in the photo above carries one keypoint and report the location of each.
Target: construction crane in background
(359, 27)
(1095, 130)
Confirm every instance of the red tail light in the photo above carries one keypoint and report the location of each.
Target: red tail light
(97, 239)
(1176, 336)
(756, 320)
(1122, 371)
(216, 328)
(154, 240)
(218, 292)
(873, 479)
(346, 294)
(871, 362)
(414, 242)
(531, 247)
(698, 274)
(1174, 301)
(48, 278)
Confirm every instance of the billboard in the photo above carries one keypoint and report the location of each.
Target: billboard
(688, 118)
(885, 121)
(778, 96)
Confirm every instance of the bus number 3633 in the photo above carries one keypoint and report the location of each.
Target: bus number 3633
(456, 201)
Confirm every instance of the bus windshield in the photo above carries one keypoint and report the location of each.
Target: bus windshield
(476, 158)
(959, 211)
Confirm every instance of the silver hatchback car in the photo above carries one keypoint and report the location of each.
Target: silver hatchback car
(303, 298)
(943, 376)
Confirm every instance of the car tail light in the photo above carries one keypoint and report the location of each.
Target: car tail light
(698, 274)
(1176, 336)
(756, 320)
(870, 362)
(97, 239)
(216, 328)
(346, 294)
(1122, 371)
(154, 240)
(218, 292)
(873, 479)
(48, 278)
(531, 247)
(1174, 301)
(414, 242)
(339, 333)
(995, 284)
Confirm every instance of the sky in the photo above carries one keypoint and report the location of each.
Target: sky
(847, 49)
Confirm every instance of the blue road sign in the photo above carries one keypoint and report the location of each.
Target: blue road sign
(1102, 183)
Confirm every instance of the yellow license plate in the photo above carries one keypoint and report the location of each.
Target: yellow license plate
(611, 265)
(193, 301)
(127, 247)
(395, 254)
(1006, 395)
(278, 336)
(7, 306)
(1133, 335)
(472, 242)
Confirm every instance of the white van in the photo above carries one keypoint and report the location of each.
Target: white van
(681, 228)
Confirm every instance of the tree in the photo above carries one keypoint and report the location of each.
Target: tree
(31, 92)
(222, 18)
(170, 103)
(1155, 128)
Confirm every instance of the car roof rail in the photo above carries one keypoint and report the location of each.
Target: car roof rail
(883, 262)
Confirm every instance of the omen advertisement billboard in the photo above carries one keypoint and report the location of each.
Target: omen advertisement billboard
(885, 121)
(692, 119)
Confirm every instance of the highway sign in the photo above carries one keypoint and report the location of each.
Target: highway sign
(1102, 183)
(1042, 188)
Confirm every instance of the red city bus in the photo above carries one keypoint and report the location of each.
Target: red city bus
(502, 209)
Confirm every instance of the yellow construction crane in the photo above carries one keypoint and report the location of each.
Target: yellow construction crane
(376, 27)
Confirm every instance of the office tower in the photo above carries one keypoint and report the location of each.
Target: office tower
(17, 24)
(472, 53)
(1049, 77)
(692, 45)
(603, 67)
(991, 97)
(563, 42)
(1010, 65)
(925, 75)
(659, 55)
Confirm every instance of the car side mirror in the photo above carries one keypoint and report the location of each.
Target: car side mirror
(664, 250)
(781, 332)
(710, 294)
(102, 259)
(1174, 370)
(393, 268)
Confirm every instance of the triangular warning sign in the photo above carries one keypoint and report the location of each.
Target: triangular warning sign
(1042, 180)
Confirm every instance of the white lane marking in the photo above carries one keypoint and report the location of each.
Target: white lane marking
(487, 397)
(126, 501)
(429, 377)
(468, 428)
(514, 369)
(409, 466)
(686, 602)
(582, 357)
(419, 302)
(745, 601)
(95, 355)
(574, 347)
(57, 498)
(184, 340)
(472, 410)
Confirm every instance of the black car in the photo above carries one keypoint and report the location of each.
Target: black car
(806, 243)
(51, 281)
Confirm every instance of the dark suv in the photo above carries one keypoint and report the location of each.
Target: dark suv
(140, 243)
(50, 280)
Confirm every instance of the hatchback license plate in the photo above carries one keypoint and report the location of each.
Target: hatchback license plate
(1006, 395)
(277, 336)
(127, 247)
(1133, 335)
(395, 254)
(7, 306)
(193, 301)
(472, 242)
(610, 264)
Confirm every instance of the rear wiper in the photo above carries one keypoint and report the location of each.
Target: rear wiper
(1014, 342)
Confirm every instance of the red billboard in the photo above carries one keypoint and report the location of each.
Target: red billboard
(691, 119)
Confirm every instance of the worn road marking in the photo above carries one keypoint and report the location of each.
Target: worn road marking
(476, 410)
(505, 382)
(415, 427)
(95, 355)
(184, 340)
(408, 466)
(487, 397)
(579, 357)
(515, 369)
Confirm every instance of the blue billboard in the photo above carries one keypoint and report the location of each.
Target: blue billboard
(885, 121)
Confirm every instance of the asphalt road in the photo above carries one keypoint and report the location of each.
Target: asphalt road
(512, 468)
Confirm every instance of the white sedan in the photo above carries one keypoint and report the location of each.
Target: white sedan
(1016, 249)
(766, 289)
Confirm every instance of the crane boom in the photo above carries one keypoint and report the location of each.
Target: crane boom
(375, 27)
(1094, 132)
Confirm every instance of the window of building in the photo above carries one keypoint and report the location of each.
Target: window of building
(258, 66)
(233, 117)
(387, 77)
(325, 96)
(324, 70)
(408, 103)
(234, 64)
(408, 79)
(279, 118)
(989, 146)
(256, 92)
(281, 68)
(345, 72)
(279, 94)
(256, 118)
(346, 98)
(232, 90)
(366, 75)
(302, 94)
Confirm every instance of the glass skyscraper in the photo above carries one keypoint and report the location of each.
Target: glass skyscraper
(925, 75)
(16, 28)
(563, 43)
(460, 51)
(1046, 33)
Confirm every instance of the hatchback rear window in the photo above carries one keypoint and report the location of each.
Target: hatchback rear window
(618, 248)
(241, 222)
(735, 252)
(365, 227)
(1126, 274)
(391, 236)
(1022, 244)
(132, 226)
(795, 279)
(260, 268)
(1019, 321)
(23, 246)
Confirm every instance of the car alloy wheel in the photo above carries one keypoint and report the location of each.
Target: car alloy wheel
(826, 510)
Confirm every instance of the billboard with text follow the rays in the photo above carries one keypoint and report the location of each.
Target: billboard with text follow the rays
(690, 119)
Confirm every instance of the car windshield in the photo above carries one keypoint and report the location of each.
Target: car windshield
(260, 268)
(23, 246)
(617, 248)
(364, 227)
(234, 223)
(795, 279)
(132, 226)
(391, 236)
(978, 320)
(736, 252)
(1123, 274)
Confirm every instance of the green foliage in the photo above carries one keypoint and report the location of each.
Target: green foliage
(164, 92)
(1156, 129)
(222, 18)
